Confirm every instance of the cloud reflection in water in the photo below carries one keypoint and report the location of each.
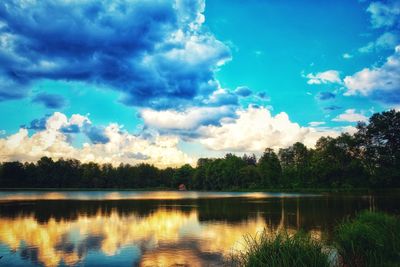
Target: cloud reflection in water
(164, 237)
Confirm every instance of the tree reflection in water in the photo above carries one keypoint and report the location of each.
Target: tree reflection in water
(193, 232)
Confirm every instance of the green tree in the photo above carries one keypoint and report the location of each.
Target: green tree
(200, 178)
(46, 174)
(249, 177)
(231, 166)
(295, 161)
(380, 145)
(269, 168)
(183, 175)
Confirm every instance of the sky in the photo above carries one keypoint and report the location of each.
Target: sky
(168, 82)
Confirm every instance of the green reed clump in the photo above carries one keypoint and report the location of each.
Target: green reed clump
(281, 250)
(371, 239)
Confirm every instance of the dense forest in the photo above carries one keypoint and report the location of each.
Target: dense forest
(368, 158)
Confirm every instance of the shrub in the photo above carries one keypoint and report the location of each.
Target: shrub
(371, 239)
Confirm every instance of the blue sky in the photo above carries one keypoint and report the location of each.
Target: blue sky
(167, 82)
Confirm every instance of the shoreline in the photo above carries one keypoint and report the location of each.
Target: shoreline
(266, 190)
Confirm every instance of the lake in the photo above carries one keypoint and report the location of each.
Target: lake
(127, 228)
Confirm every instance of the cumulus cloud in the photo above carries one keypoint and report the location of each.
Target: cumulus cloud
(155, 52)
(72, 125)
(137, 155)
(51, 101)
(122, 147)
(350, 115)
(329, 76)
(256, 129)
(384, 14)
(187, 122)
(383, 82)
(77, 123)
(316, 123)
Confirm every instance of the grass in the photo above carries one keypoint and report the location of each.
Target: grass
(281, 250)
(371, 239)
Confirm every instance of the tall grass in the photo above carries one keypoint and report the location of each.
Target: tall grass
(281, 250)
(371, 239)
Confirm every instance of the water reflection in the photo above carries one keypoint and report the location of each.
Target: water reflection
(164, 237)
(160, 232)
(135, 195)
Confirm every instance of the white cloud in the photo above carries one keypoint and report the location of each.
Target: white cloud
(349, 129)
(316, 123)
(253, 130)
(384, 14)
(256, 129)
(190, 119)
(56, 121)
(387, 40)
(163, 151)
(347, 56)
(329, 76)
(350, 115)
(384, 78)
(79, 120)
(367, 48)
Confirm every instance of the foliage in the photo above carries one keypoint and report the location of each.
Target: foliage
(371, 239)
(283, 250)
(270, 168)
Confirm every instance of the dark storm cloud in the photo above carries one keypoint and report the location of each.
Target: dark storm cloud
(154, 52)
(50, 100)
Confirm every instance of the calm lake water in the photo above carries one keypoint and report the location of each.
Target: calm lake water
(159, 228)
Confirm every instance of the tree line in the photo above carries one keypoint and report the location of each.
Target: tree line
(368, 158)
